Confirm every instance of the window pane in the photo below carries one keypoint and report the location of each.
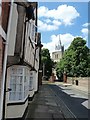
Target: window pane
(12, 96)
(16, 84)
(31, 83)
(19, 83)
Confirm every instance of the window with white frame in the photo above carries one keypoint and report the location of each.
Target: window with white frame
(31, 30)
(37, 54)
(31, 81)
(26, 87)
(18, 83)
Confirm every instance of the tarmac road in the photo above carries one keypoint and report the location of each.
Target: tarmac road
(73, 101)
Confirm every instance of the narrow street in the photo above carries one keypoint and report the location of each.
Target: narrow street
(44, 105)
(72, 100)
(53, 102)
(44, 59)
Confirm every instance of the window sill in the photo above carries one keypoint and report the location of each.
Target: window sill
(31, 89)
(19, 102)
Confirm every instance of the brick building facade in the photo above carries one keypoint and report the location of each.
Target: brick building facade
(4, 15)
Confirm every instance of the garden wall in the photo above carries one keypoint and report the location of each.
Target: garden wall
(79, 81)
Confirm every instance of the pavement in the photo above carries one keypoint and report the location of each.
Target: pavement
(44, 105)
(82, 89)
(47, 105)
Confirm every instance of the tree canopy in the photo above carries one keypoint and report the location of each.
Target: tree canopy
(46, 60)
(76, 59)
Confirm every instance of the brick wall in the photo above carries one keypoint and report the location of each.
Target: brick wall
(5, 14)
(82, 81)
(3, 23)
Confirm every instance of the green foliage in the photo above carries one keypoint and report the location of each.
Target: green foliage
(60, 69)
(46, 59)
(76, 59)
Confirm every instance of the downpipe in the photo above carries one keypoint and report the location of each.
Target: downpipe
(3, 84)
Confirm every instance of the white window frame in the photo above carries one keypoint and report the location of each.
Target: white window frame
(31, 77)
(24, 88)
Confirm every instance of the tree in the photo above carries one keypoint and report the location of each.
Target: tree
(60, 70)
(46, 60)
(76, 59)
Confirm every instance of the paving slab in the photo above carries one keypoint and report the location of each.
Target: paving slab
(44, 106)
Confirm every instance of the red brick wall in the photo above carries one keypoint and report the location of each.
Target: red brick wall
(4, 23)
(82, 81)
(5, 14)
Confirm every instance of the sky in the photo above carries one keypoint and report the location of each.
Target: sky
(62, 20)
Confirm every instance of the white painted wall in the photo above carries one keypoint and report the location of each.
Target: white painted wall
(56, 56)
(37, 68)
(16, 111)
(13, 29)
(35, 81)
(29, 50)
(31, 89)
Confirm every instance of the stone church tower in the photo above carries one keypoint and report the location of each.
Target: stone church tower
(57, 54)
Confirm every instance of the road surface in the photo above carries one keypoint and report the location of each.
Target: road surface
(73, 100)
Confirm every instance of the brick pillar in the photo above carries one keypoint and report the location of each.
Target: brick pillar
(65, 78)
(40, 77)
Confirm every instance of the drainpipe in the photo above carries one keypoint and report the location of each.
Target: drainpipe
(23, 53)
(3, 92)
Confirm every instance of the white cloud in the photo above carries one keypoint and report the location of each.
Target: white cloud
(42, 11)
(66, 14)
(47, 20)
(85, 31)
(56, 22)
(46, 27)
(66, 39)
(86, 24)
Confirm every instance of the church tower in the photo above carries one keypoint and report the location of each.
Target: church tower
(59, 50)
(57, 54)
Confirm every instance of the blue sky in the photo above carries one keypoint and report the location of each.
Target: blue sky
(62, 19)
